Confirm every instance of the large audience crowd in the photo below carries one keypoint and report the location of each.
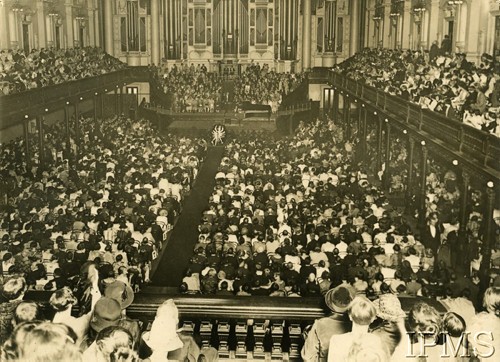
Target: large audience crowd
(444, 83)
(39, 68)
(112, 202)
(297, 216)
(195, 89)
(291, 217)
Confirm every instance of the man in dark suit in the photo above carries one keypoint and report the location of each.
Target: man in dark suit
(431, 233)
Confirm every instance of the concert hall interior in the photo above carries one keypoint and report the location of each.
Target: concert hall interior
(239, 180)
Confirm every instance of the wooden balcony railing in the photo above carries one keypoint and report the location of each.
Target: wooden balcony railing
(14, 106)
(473, 143)
(240, 327)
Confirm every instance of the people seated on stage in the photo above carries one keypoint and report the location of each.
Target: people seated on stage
(194, 88)
(446, 84)
(260, 85)
(39, 68)
(110, 198)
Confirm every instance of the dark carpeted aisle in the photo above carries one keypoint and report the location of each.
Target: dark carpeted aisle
(179, 249)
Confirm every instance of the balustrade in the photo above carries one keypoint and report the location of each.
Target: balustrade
(476, 147)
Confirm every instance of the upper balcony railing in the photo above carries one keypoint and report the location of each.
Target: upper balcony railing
(456, 136)
(14, 106)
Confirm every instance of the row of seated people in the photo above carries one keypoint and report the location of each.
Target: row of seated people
(380, 330)
(197, 90)
(260, 85)
(447, 84)
(194, 88)
(294, 217)
(112, 202)
(101, 331)
(357, 329)
(20, 71)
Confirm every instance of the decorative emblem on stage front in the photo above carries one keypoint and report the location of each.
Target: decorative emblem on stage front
(218, 134)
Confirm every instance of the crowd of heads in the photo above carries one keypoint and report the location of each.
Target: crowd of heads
(21, 71)
(297, 216)
(195, 89)
(444, 83)
(260, 85)
(111, 200)
(380, 330)
(101, 333)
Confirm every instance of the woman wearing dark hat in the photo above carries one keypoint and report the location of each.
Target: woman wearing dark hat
(318, 338)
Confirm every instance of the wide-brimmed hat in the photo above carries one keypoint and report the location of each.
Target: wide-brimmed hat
(389, 308)
(120, 292)
(339, 298)
(107, 312)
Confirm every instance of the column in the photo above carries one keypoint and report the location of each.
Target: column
(4, 37)
(96, 102)
(77, 125)
(409, 179)
(41, 27)
(423, 185)
(92, 23)
(108, 26)
(66, 124)
(434, 32)
(41, 146)
(120, 102)
(26, 135)
(379, 144)
(347, 118)
(354, 19)
(97, 28)
(155, 32)
(488, 237)
(387, 171)
(117, 99)
(70, 26)
(387, 32)
(464, 200)
(363, 132)
(306, 35)
(406, 30)
(335, 105)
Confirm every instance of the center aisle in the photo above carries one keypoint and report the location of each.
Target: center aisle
(180, 246)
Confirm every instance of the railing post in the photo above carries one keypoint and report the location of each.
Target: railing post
(461, 138)
(423, 184)
(486, 149)
(387, 171)
(409, 179)
(420, 120)
(26, 135)
(41, 145)
(464, 200)
(488, 236)
(379, 143)
(66, 126)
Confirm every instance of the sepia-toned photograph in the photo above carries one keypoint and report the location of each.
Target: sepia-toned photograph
(250, 180)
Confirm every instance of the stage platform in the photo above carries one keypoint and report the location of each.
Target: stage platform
(234, 121)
